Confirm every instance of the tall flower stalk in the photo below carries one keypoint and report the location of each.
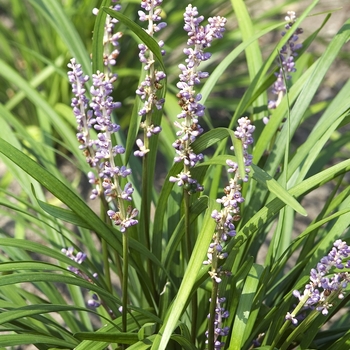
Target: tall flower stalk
(225, 228)
(110, 54)
(152, 104)
(199, 38)
(106, 176)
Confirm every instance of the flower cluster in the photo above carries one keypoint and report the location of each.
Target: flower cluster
(220, 315)
(323, 287)
(148, 88)
(100, 152)
(110, 39)
(200, 38)
(79, 258)
(232, 194)
(226, 218)
(286, 62)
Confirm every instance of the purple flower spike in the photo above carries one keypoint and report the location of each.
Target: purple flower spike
(219, 331)
(100, 152)
(286, 62)
(110, 39)
(232, 193)
(323, 286)
(199, 38)
(225, 219)
(148, 88)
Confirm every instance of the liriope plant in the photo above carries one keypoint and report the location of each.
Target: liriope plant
(176, 228)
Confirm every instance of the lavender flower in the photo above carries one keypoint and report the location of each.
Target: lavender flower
(200, 38)
(100, 152)
(286, 62)
(323, 287)
(79, 258)
(219, 331)
(232, 197)
(110, 39)
(225, 220)
(148, 88)
(94, 302)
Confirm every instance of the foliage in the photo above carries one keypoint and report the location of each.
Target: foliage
(155, 270)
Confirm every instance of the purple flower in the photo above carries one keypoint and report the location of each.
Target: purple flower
(286, 62)
(94, 302)
(219, 331)
(124, 221)
(148, 88)
(232, 194)
(79, 258)
(291, 318)
(100, 152)
(110, 39)
(199, 38)
(225, 219)
(323, 286)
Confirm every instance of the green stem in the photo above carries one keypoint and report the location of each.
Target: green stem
(106, 265)
(118, 264)
(212, 307)
(146, 213)
(287, 323)
(145, 201)
(107, 274)
(125, 281)
(194, 301)
(187, 226)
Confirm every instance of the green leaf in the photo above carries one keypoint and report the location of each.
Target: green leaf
(40, 102)
(31, 339)
(274, 187)
(63, 193)
(52, 10)
(97, 39)
(194, 265)
(245, 308)
(214, 136)
(307, 93)
(229, 59)
(253, 53)
(273, 207)
(122, 338)
(63, 214)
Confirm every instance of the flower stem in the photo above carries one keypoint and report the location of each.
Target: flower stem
(125, 280)
(187, 226)
(194, 301)
(145, 213)
(212, 307)
(107, 274)
(287, 323)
